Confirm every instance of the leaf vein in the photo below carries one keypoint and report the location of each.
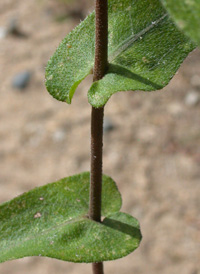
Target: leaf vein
(45, 231)
(130, 40)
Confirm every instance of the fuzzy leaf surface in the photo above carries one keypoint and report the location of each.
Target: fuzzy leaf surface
(145, 50)
(186, 14)
(72, 61)
(52, 221)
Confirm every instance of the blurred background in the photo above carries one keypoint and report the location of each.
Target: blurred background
(151, 142)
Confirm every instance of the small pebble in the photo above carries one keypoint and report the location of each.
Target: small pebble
(192, 98)
(13, 29)
(59, 136)
(21, 80)
(107, 125)
(12, 26)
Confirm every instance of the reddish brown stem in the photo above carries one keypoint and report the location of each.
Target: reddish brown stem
(101, 40)
(97, 268)
(96, 163)
(100, 66)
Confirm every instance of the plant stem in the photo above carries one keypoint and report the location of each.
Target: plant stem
(97, 268)
(100, 66)
(101, 42)
(96, 164)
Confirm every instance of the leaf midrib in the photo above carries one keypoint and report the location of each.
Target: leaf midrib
(132, 38)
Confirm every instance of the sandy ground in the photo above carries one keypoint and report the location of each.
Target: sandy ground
(153, 151)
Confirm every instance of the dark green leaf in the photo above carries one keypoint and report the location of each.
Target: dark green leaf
(145, 51)
(52, 221)
(186, 14)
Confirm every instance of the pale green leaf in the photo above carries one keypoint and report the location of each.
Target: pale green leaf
(145, 51)
(52, 221)
(186, 14)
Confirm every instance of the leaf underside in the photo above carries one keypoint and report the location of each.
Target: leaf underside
(145, 50)
(52, 221)
(186, 14)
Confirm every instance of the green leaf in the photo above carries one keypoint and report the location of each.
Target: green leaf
(145, 51)
(186, 14)
(72, 61)
(52, 221)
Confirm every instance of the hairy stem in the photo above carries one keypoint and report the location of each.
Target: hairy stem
(100, 66)
(101, 42)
